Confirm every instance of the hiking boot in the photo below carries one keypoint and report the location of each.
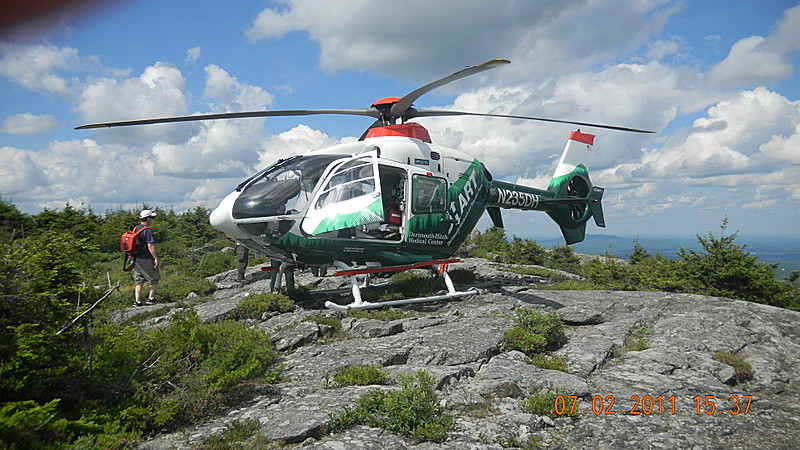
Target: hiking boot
(137, 304)
(151, 301)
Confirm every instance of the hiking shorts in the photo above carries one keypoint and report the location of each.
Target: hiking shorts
(144, 271)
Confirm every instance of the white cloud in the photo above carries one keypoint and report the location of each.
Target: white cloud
(19, 172)
(646, 96)
(70, 169)
(749, 63)
(662, 48)
(783, 149)
(158, 92)
(221, 148)
(758, 60)
(271, 24)
(543, 36)
(36, 67)
(230, 95)
(154, 164)
(739, 157)
(738, 136)
(30, 124)
(297, 141)
(193, 54)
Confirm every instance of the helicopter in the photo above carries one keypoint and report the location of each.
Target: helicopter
(393, 200)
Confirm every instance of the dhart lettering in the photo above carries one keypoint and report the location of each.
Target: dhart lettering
(465, 198)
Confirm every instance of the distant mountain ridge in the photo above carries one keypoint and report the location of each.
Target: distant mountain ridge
(771, 250)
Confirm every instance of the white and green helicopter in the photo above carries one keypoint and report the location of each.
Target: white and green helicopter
(393, 200)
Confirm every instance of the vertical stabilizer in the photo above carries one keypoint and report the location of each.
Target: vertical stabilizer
(574, 159)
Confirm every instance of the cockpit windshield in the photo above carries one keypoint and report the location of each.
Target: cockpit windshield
(282, 189)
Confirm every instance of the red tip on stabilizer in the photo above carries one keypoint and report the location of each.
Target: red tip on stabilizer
(583, 138)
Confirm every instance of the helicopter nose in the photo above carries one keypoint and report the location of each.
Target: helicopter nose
(221, 218)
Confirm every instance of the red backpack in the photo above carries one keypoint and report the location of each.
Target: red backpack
(129, 242)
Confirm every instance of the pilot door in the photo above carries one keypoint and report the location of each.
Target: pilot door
(350, 197)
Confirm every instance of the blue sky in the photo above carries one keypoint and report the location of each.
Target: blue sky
(718, 80)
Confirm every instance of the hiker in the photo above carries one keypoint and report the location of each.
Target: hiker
(242, 257)
(147, 265)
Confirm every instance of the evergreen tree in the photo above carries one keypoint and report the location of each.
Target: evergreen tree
(726, 269)
(526, 251)
(12, 220)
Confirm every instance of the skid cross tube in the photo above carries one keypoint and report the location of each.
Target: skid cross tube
(359, 303)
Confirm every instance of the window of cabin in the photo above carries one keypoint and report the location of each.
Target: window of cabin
(429, 194)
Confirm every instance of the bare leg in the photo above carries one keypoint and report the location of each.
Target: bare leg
(138, 292)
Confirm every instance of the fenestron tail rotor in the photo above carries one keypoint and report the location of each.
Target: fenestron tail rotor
(399, 108)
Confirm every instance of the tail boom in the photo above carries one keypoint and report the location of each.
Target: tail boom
(570, 199)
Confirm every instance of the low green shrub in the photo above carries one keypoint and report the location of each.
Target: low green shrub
(27, 424)
(412, 411)
(563, 257)
(543, 404)
(549, 362)
(212, 263)
(610, 273)
(570, 285)
(549, 326)
(518, 338)
(525, 251)
(358, 376)
(386, 315)
(535, 334)
(239, 434)
(175, 285)
(414, 284)
(179, 373)
(529, 270)
(637, 341)
(253, 306)
(322, 320)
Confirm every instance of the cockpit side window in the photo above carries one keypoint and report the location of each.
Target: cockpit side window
(354, 179)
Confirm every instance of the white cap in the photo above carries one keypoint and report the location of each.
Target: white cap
(146, 213)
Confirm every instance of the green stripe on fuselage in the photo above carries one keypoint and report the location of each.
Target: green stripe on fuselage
(371, 214)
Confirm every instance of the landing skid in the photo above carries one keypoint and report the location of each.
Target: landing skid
(358, 303)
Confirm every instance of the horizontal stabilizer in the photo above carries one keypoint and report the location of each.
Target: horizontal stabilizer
(574, 235)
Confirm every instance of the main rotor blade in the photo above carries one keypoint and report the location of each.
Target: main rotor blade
(370, 112)
(441, 112)
(399, 108)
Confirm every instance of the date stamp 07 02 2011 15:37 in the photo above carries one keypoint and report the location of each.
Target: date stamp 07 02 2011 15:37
(649, 405)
